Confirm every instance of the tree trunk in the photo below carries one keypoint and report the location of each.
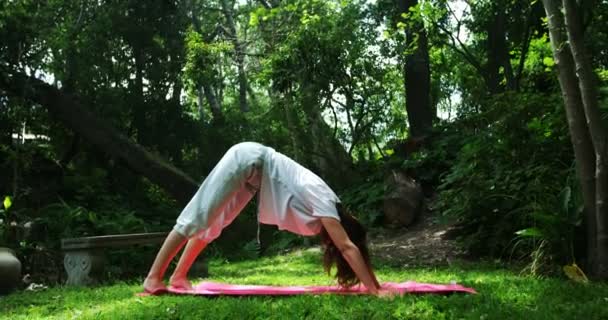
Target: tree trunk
(214, 105)
(291, 121)
(177, 91)
(590, 97)
(265, 4)
(70, 111)
(238, 55)
(533, 15)
(417, 76)
(331, 157)
(206, 89)
(498, 51)
(579, 135)
(327, 154)
(200, 93)
(139, 108)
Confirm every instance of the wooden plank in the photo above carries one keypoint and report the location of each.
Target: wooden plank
(119, 240)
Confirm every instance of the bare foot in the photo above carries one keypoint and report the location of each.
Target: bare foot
(180, 283)
(154, 286)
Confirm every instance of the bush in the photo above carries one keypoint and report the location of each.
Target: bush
(509, 170)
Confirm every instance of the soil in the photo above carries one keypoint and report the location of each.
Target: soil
(424, 243)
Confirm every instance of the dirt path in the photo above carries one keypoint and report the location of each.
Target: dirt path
(422, 244)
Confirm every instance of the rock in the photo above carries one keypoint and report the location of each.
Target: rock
(10, 270)
(402, 200)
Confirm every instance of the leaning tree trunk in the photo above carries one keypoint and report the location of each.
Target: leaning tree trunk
(69, 110)
(579, 135)
(589, 93)
(417, 76)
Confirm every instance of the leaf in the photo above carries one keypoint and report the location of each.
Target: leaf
(7, 202)
(548, 61)
(529, 232)
(253, 19)
(575, 273)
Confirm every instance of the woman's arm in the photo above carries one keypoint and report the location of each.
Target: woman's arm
(351, 253)
(374, 277)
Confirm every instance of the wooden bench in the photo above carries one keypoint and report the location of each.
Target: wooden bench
(84, 257)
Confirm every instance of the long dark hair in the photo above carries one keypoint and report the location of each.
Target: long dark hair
(332, 256)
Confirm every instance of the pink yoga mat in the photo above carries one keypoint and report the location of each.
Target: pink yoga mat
(217, 289)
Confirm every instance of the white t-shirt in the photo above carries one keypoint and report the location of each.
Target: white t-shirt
(293, 197)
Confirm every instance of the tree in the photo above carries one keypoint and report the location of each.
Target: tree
(239, 54)
(305, 65)
(589, 137)
(203, 72)
(416, 70)
(498, 39)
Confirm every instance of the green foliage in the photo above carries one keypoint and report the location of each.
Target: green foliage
(4, 221)
(365, 199)
(201, 57)
(283, 241)
(324, 65)
(431, 163)
(7, 203)
(552, 236)
(61, 220)
(512, 171)
(39, 234)
(46, 226)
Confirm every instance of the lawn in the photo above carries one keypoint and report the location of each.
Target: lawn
(503, 294)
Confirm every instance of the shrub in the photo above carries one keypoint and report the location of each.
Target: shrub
(509, 168)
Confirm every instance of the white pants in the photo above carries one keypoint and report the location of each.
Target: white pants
(224, 193)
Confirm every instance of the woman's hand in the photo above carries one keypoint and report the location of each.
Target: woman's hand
(383, 292)
(387, 294)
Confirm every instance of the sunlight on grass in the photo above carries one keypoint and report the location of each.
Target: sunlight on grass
(503, 294)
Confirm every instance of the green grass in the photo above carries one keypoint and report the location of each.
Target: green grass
(503, 294)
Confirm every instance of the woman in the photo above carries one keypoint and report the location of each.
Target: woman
(290, 196)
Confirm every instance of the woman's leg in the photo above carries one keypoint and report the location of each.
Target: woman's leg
(222, 217)
(154, 281)
(179, 279)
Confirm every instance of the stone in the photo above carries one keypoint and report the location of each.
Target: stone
(84, 257)
(403, 199)
(10, 271)
(83, 266)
